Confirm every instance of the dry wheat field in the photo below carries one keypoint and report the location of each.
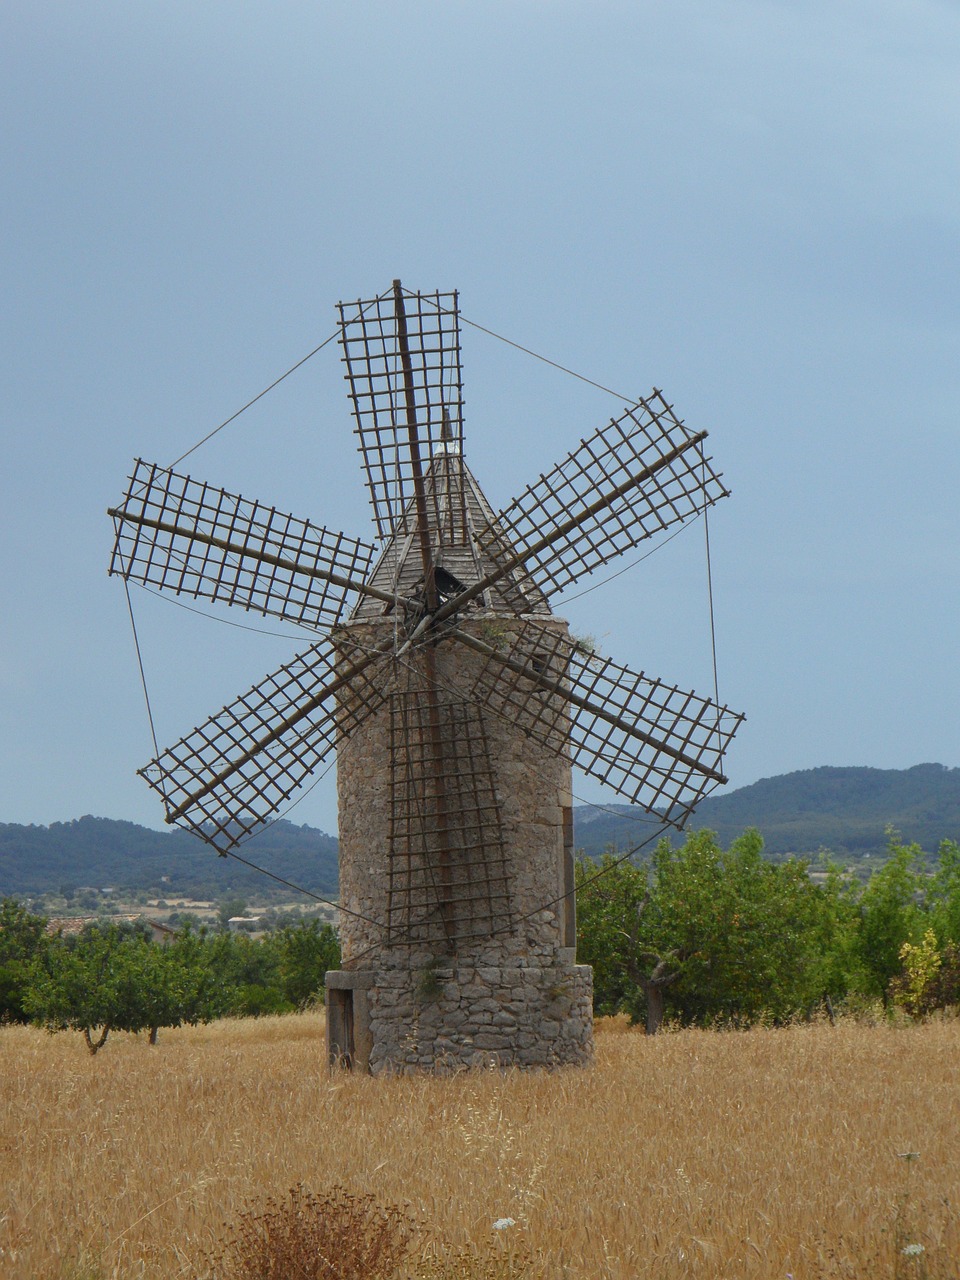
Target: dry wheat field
(768, 1153)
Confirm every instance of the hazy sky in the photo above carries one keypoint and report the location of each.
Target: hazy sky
(753, 205)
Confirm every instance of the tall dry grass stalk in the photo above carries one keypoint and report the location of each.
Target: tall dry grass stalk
(764, 1153)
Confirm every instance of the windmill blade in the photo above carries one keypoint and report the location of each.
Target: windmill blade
(635, 477)
(181, 535)
(653, 743)
(232, 773)
(402, 405)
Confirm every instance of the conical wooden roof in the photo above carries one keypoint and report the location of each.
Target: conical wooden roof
(457, 512)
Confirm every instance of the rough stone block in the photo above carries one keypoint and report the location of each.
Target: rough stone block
(490, 1040)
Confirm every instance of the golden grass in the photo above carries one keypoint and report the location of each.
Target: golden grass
(762, 1153)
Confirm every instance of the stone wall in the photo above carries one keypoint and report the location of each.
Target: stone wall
(446, 1017)
(450, 1017)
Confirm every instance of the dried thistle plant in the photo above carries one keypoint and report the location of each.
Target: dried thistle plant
(334, 1236)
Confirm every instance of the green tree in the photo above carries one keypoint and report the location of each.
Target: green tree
(891, 913)
(22, 936)
(306, 951)
(835, 936)
(611, 896)
(111, 979)
(748, 933)
(228, 910)
(248, 974)
(929, 974)
(706, 933)
(88, 987)
(943, 894)
(915, 990)
(179, 985)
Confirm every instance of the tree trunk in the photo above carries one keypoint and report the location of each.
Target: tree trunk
(94, 1045)
(153, 1034)
(654, 994)
(654, 987)
(654, 983)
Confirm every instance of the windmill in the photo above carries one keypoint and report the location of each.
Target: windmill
(454, 699)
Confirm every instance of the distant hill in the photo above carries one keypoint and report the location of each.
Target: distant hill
(101, 852)
(845, 810)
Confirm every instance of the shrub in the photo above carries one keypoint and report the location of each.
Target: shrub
(334, 1236)
(915, 989)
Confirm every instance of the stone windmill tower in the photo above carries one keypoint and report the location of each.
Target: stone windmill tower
(455, 700)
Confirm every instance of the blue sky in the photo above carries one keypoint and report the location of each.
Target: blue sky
(754, 206)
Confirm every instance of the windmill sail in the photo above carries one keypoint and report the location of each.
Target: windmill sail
(181, 535)
(381, 389)
(232, 773)
(655, 744)
(633, 478)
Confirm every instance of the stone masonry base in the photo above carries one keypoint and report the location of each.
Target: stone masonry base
(449, 1015)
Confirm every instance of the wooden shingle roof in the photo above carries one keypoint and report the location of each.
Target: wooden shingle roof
(459, 519)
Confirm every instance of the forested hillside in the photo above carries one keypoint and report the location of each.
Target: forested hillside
(101, 852)
(845, 810)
